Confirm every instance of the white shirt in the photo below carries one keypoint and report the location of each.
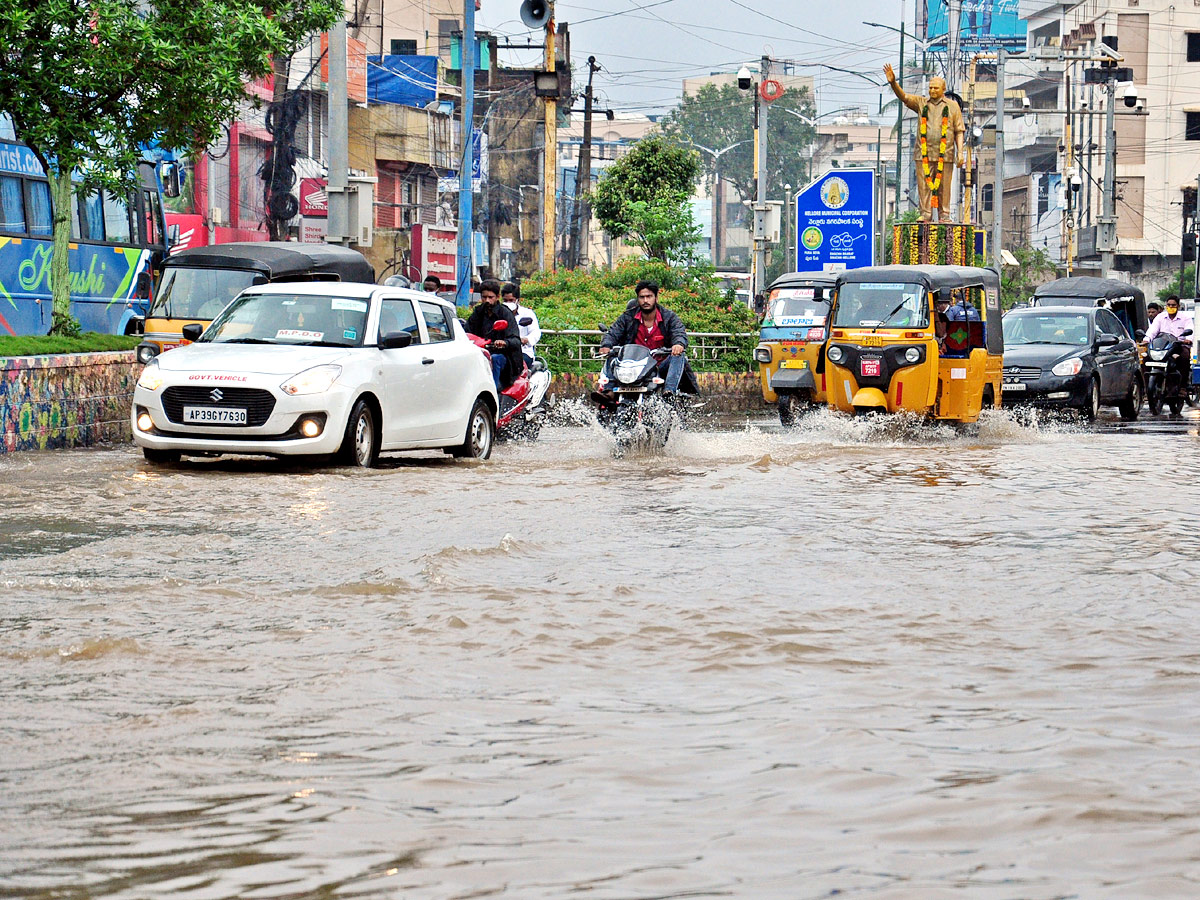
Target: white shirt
(530, 334)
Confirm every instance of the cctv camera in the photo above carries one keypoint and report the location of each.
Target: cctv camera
(1025, 104)
(1076, 182)
(1141, 104)
(744, 79)
(1131, 96)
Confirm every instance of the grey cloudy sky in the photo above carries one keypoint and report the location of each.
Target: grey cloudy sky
(648, 46)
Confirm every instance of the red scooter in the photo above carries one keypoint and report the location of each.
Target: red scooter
(522, 403)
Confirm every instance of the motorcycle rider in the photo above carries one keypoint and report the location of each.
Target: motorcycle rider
(505, 346)
(510, 296)
(654, 327)
(1174, 323)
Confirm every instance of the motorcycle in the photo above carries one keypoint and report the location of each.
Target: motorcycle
(629, 399)
(523, 403)
(1166, 361)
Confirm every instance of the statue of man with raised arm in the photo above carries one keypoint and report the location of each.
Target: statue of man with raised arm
(939, 144)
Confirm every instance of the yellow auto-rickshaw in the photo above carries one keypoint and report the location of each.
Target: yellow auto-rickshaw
(889, 349)
(198, 283)
(790, 340)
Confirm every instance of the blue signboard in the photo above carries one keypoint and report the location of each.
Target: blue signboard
(984, 25)
(835, 222)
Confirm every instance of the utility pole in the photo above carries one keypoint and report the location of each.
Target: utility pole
(465, 256)
(953, 36)
(339, 136)
(1107, 220)
(998, 186)
(211, 177)
(1069, 171)
(1196, 261)
(900, 117)
(550, 158)
(583, 176)
(760, 205)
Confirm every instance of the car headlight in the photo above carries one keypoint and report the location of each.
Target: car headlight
(835, 354)
(151, 378)
(762, 354)
(912, 354)
(1068, 367)
(312, 381)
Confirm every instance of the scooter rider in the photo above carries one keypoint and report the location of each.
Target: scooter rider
(654, 327)
(505, 346)
(1175, 323)
(510, 296)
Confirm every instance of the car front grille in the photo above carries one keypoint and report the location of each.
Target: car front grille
(258, 403)
(1031, 372)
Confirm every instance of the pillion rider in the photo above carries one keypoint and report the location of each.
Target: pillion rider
(940, 143)
(655, 327)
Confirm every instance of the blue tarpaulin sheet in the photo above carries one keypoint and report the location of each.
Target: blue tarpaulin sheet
(405, 80)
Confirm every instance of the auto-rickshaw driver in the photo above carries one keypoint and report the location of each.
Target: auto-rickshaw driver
(889, 349)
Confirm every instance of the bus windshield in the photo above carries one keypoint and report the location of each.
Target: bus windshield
(881, 305)
(193, 293)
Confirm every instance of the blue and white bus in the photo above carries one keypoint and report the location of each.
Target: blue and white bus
(117, 245)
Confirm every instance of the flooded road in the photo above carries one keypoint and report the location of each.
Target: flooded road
(850, 660)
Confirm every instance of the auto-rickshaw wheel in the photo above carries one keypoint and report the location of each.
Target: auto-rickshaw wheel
(789, 407)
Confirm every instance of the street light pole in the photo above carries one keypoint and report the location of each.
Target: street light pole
(900, 116)
(760, 241)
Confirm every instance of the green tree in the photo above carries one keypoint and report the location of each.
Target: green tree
(1189, 285)
(646, 196)
(86, 83)
(720, 117)
(1033, 269)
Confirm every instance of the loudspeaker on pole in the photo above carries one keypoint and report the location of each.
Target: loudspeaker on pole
(535, 13)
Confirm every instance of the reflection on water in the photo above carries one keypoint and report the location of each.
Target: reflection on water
(865, 657)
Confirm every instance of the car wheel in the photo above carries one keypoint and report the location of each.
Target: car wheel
(481, 434)
(360, 446)
(160, 457)
(1091, 408)
(1132, 404)
(1154, 394)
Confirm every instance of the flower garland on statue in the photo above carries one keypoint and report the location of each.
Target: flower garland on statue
(934, 182)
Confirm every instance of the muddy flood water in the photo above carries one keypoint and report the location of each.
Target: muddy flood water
(849, 660)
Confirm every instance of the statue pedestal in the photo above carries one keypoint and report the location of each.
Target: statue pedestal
(937, 244)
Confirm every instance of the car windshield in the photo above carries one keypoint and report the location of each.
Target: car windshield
(194, 293)
(1046, 328)
(320, 320)
(881, 305)
(797, 306)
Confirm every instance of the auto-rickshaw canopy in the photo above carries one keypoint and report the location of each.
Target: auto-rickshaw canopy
(1127, 301)
(943, 280)
(281, 260)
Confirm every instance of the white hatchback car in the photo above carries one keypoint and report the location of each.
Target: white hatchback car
(320, 368)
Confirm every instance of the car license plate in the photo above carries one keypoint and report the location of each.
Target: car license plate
(213, 415)
(869, 367)
(872, 340)
(1156, 365)
(794, 364)
(1014, 386)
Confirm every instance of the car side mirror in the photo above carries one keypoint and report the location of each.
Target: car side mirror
(192, 332)
(525, 321)
(394, 340)
(1140, 334)
(1107, 340)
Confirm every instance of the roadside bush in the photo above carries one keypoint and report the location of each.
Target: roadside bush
(576, 299)
(88, 342)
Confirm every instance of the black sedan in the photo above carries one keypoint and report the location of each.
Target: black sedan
(1073, 357)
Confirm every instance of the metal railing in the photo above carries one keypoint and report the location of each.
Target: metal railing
(578, 346)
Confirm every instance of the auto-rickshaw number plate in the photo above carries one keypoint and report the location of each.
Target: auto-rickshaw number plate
(870, 367)
(872, 340)
(794, 364)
